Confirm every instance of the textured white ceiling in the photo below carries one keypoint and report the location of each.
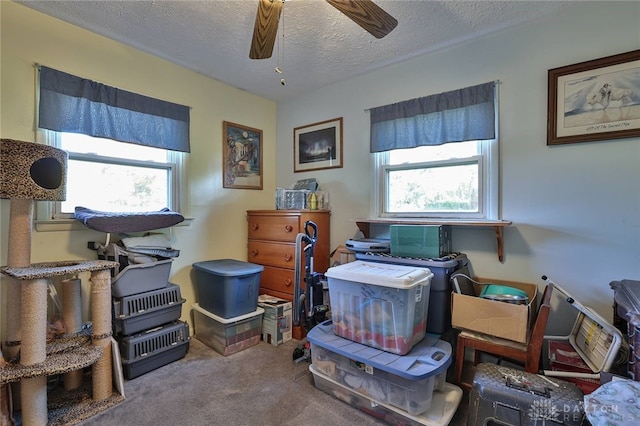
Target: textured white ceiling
(320, 45)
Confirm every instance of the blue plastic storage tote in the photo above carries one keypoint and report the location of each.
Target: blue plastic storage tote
(226, 287)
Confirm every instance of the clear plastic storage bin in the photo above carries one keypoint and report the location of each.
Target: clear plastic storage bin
(381, 305)
(443, 404)
(406, 382)
(227, 335)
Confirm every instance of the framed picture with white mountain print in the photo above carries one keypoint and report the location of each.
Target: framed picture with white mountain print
(594, 100)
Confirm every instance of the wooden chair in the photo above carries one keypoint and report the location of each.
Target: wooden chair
(527, 354)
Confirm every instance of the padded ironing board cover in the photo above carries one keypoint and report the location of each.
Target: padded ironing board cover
(123, 222)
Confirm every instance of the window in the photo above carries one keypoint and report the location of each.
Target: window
(108, 175)
(89, 119)
(455, 180)
(437, 156)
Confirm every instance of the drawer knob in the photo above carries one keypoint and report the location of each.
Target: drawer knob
(287, 257)
(288, 282)
(254, 226)
(254, 253)
(288, 228)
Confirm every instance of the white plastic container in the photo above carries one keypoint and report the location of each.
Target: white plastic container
(380, 305)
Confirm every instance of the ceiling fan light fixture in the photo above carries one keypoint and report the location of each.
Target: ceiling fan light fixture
(371, 17)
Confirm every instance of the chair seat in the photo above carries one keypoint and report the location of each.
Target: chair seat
(494, 340)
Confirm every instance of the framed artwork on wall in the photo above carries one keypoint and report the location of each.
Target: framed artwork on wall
(594, 100)
(318, 146)
(242, 156)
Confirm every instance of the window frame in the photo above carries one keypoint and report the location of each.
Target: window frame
(488, 190)
(51, 211)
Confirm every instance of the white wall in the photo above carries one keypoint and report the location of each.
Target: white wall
(575, 208)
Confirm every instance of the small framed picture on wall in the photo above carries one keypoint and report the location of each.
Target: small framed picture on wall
(318, 146)
(242, 156)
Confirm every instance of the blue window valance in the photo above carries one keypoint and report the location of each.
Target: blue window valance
(455, 116)
(78, 105)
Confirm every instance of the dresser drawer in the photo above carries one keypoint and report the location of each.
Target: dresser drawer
(277, 279)
(273, 228)
(272, 254)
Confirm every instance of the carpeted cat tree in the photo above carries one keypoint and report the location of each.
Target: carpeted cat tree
(28, 172)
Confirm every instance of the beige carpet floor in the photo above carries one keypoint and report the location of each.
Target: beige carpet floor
(258, 386)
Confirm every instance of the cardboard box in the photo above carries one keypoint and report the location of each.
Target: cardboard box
(499, 319)
(277, 319)
(341, 255)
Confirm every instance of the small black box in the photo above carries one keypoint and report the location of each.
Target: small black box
(507, 396)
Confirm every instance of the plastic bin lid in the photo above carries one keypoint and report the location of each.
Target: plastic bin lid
(383, 274)
(429, 357)
(258, 311)
(228, 267)
(452, 260)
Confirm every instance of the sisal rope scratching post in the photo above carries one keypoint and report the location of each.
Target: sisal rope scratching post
(72, 318)
(18, 254)
(33, 392)
(101, 318)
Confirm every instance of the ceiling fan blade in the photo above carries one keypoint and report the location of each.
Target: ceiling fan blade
(368, 15)
(265, 29)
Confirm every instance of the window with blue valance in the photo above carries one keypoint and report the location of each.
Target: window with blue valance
(459, 115)
(77, 105)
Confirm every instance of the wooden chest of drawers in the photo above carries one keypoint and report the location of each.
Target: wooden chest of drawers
(272, 241)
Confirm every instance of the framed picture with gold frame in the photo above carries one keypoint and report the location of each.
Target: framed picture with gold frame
(318, 146)
(242, 156)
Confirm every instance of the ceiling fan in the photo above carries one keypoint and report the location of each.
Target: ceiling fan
(363, 12)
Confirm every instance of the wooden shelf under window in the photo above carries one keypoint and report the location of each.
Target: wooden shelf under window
(498, 226)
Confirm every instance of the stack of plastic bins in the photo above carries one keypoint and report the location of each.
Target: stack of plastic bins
(375, 345)
(227, 317)
(399, 389)
(146, 310)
